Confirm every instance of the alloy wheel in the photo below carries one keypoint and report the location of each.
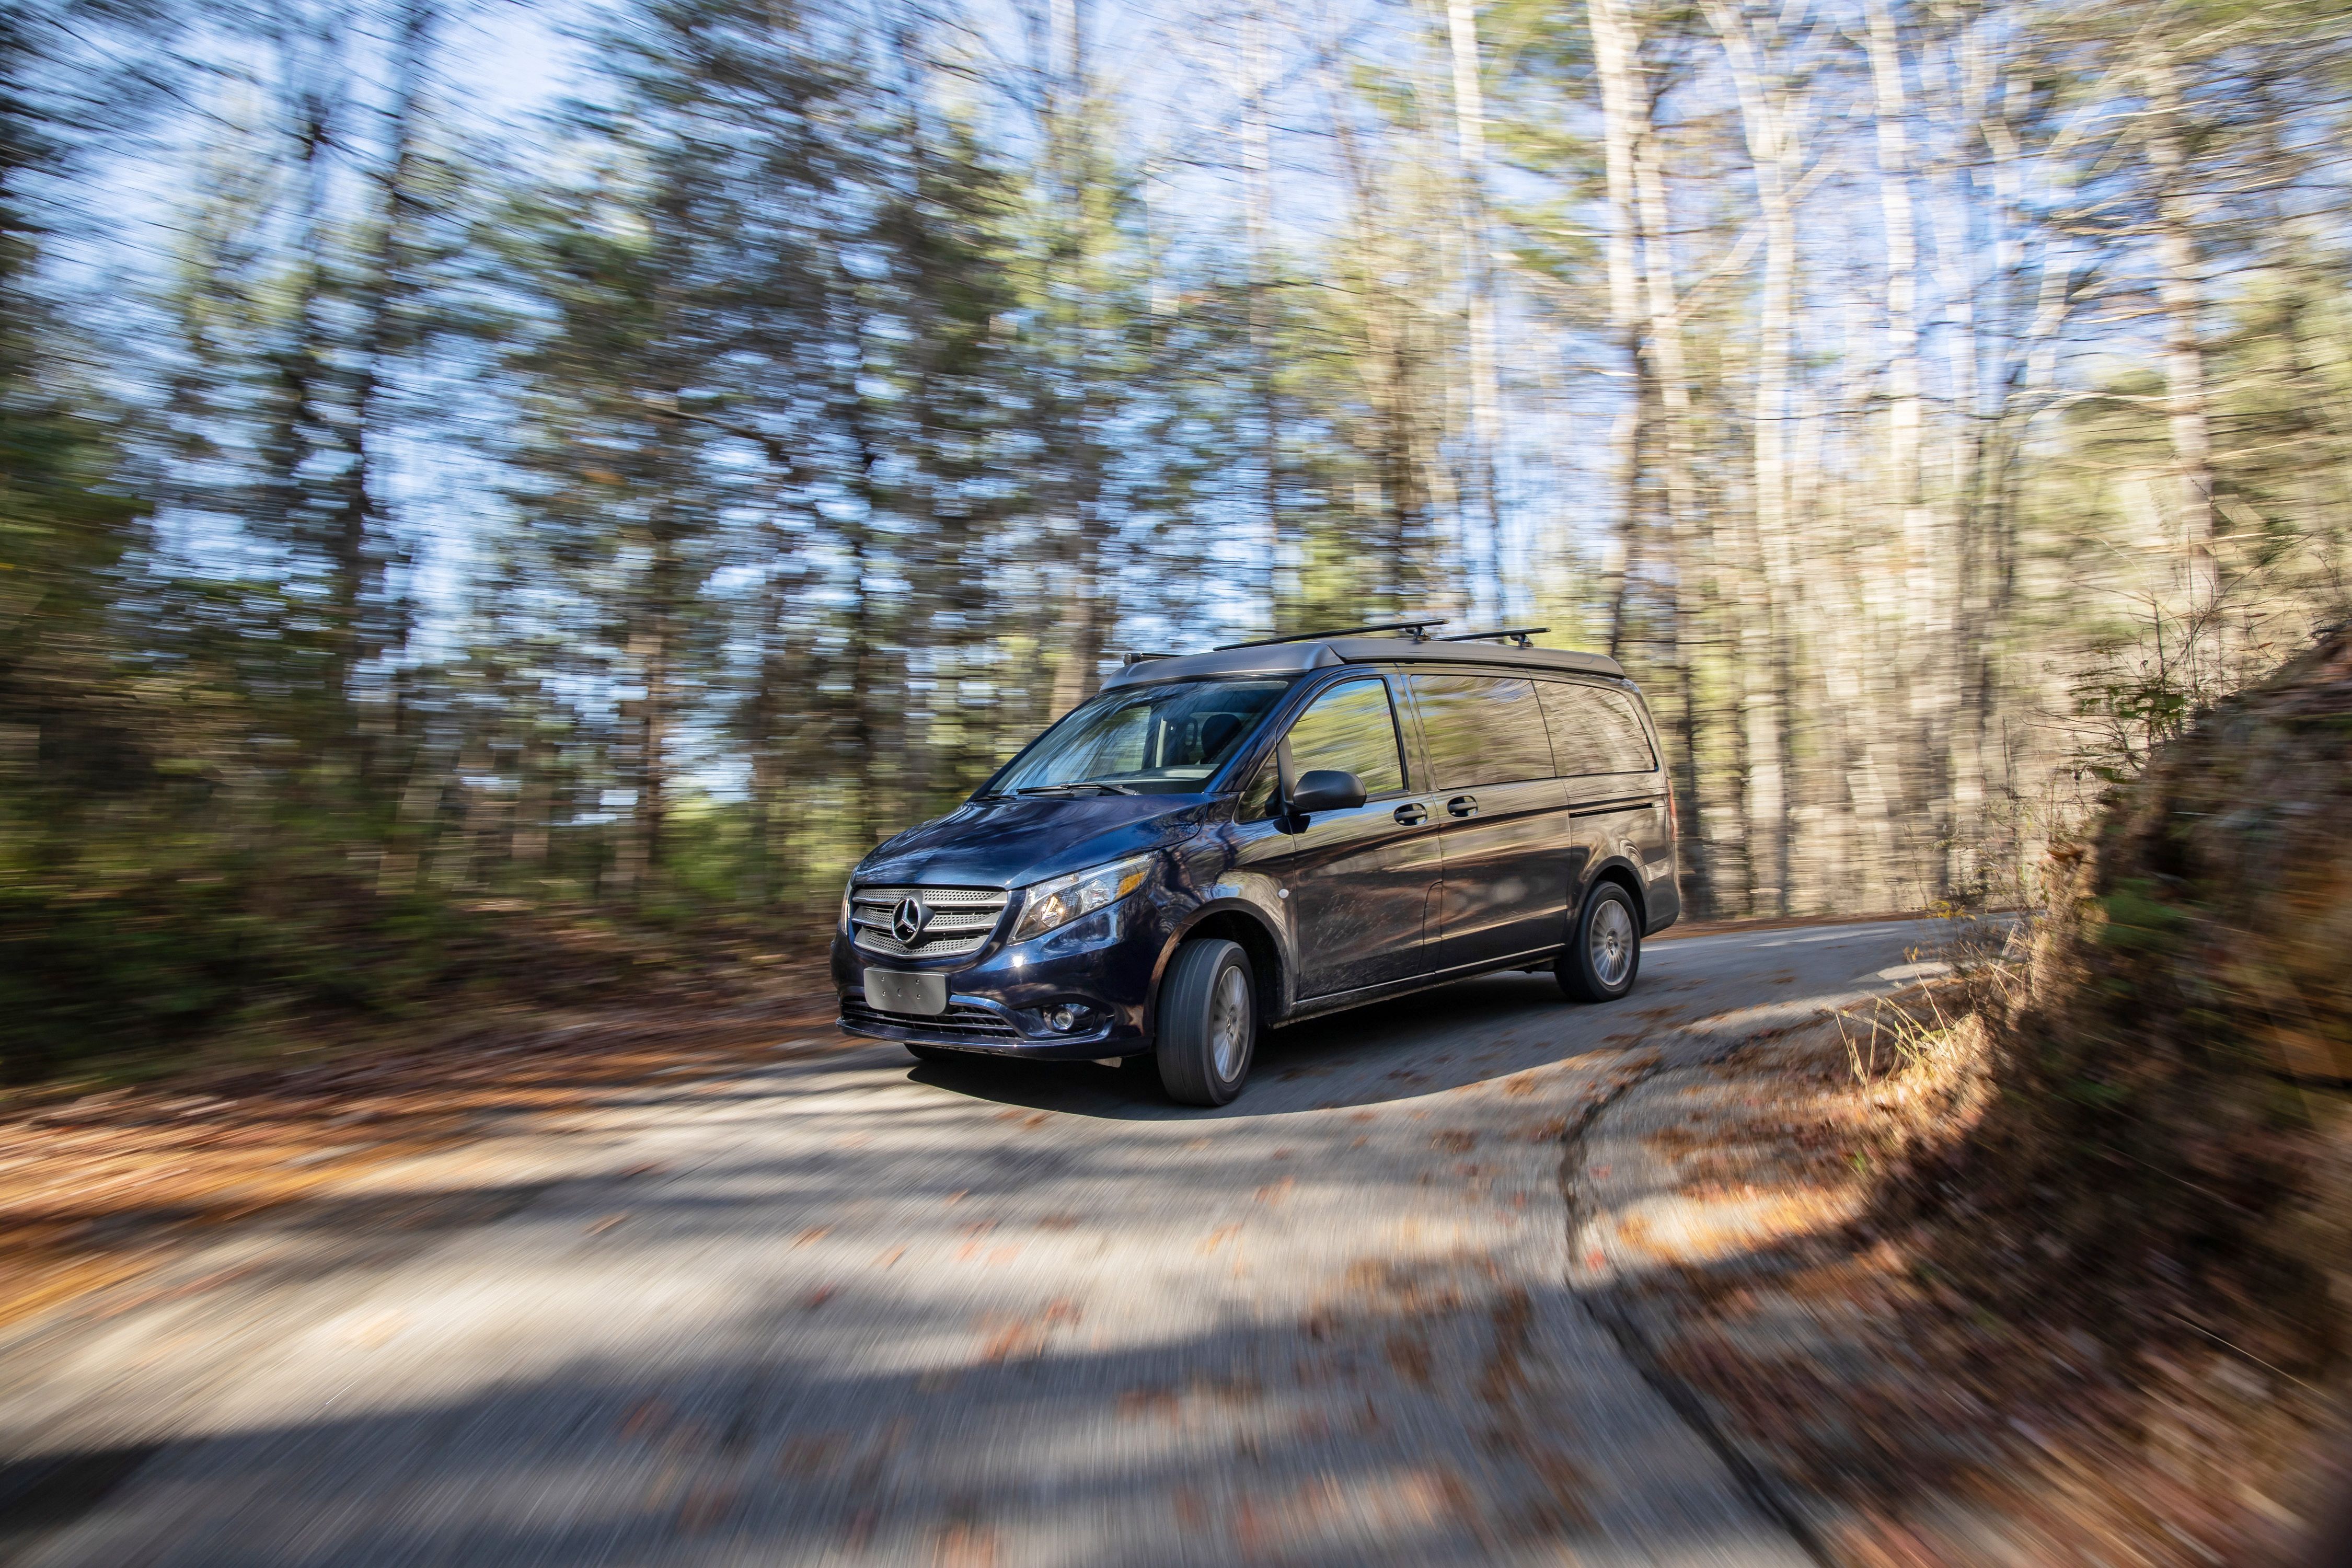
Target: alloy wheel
(1229, 1023)
(1610, 943)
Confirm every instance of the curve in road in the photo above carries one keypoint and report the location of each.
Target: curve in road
(848, 1311)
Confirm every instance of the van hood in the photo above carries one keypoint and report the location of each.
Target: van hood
(1027, 839)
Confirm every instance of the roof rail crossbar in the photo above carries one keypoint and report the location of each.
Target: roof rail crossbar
(1417, 630)
(1518, 635)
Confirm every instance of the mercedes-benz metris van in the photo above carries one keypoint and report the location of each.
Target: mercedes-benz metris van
(1221, 842)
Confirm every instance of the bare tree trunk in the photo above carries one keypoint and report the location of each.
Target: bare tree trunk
(1684, 530)
(1969, 657)
(1624, 115)
(376, 304)
(1079, 629)
(652, 648)
(1258, 179)
(1389, 363)
(1478, 281)
(1763, 655)
(2181, 295)
(1926, 709)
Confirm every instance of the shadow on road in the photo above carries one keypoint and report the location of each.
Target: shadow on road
(1473, 1031)
(769, 1441)
(1478, 1030)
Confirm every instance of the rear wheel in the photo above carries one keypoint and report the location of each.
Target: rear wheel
(1605, 955)
(1208, 1022)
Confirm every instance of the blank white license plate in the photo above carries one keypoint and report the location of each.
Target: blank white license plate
(895, 992)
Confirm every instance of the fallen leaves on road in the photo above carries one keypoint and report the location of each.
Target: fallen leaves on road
(97, 1190)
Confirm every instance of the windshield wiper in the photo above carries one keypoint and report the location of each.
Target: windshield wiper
(1081, 783)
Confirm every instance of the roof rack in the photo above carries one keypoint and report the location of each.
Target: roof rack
(1417, 630)
(1518, 635)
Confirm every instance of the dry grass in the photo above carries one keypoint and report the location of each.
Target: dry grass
(1924, 1365)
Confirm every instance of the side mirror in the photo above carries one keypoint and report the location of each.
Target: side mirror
(1325, 789)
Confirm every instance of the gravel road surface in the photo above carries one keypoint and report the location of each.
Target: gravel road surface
(847, 1310)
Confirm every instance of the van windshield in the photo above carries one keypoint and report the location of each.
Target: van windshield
(1143, 739)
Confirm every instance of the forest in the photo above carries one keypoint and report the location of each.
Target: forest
(505, 501)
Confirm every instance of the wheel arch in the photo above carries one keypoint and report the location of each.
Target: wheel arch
(1240, 922)
(1621, 870)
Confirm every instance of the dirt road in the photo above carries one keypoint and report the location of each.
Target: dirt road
(850, 1310)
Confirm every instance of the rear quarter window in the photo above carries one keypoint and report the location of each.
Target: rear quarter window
(1595, 731)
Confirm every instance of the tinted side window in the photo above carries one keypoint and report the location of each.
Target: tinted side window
(1350, 727)
(1481, 730)
(1629, 743)
(1595, 732)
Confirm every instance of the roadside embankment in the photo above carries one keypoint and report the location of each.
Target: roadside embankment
(2053, 1262)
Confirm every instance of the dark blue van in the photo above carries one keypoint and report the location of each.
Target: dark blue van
(1221, 841)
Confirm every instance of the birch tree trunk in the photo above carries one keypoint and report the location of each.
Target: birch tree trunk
(1076, 489)
(1765, 115)
(1958, 221)
(1624, 116)
(2180, 296)
(1386, 360)
(1914, 747)
(1671, 377)
(1258, 179)
(1479, 283)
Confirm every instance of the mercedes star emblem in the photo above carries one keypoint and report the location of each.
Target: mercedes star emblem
(907, 922)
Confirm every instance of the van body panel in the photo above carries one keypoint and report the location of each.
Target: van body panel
(1356, 884)
(1356, 881)
(1665, 896)
(1341, 1002)
(1016, 842)
(1507, 870)
(1507, 839)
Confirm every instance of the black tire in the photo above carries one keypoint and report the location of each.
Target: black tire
(1605, 956)
(937, 1054)
(1197, 1005)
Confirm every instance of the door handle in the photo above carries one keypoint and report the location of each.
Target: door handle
(1412, 813)
(1462, 805)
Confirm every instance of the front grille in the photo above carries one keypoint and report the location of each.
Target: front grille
(962, 919)
(960, 1022)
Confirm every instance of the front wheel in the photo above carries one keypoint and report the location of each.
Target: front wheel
(1208, 1022)
(1606, 952)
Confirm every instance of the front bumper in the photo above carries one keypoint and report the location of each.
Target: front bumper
(997, 998)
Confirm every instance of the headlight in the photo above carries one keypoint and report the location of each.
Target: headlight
(1050, 905)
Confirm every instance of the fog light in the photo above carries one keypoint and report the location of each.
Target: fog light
(1060, 1018)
